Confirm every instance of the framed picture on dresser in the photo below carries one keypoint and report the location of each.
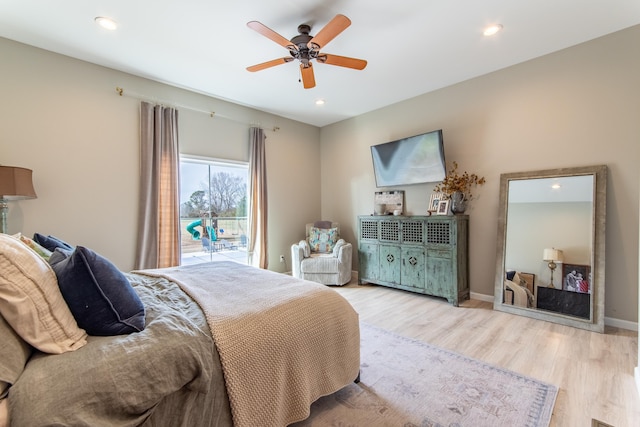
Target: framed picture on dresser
(434, 201)
(443, 207)
(576, 278)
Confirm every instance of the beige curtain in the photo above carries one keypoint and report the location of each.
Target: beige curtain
(257, 249)
(159, 212)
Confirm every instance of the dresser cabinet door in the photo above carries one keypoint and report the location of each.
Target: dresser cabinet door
(439, 273)
(413, 267)
(390, 264)
(369, 262)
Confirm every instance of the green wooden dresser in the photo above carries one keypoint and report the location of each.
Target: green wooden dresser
(424, 254)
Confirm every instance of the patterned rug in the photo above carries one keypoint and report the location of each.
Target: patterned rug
(408, 383)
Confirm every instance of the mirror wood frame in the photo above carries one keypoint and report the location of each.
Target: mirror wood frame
(596, 321)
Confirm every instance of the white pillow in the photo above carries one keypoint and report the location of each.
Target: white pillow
(31, 301)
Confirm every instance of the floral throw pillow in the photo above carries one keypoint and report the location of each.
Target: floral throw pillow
(322, 240)
(39, 249)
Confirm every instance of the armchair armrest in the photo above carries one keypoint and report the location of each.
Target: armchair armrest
(297, 255)
(342, 251)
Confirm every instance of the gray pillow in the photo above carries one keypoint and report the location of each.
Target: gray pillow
(14, 353)
(322, 224)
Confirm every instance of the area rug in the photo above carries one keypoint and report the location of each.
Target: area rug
(408, 383)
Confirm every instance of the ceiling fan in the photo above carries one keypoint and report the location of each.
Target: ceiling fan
(305, 47)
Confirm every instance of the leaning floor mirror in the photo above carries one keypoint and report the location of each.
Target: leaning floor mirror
(551, 246)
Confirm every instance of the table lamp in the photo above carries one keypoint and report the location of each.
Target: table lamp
(15, 184)
(551, 256)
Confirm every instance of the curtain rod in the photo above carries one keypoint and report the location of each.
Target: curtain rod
(212, 114)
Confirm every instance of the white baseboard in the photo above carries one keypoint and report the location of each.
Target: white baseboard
(481, 297)
(609, 321)
(622, 324)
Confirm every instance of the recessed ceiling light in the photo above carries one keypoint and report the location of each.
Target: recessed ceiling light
(492, 29)
(556, 186)
(106, 23)
(319, 101)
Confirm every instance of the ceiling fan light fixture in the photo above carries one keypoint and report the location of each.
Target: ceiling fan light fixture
(106, 23)
(492, 30)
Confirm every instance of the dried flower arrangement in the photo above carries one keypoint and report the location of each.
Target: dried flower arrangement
(455, 182)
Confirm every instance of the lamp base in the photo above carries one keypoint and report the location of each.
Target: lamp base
(4, 208)
(552, 267)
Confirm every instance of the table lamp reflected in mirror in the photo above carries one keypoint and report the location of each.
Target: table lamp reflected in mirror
(552, 256)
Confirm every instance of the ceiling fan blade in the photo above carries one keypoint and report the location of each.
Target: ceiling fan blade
(269, 64)
(342, 61)
(270, 34)
(337, 25)
(308, 79)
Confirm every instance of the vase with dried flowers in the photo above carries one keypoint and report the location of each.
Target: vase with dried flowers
(457, 188)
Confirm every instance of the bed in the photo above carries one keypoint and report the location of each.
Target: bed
(223, 344)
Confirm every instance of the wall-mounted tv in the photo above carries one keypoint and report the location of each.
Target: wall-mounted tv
(414, 160)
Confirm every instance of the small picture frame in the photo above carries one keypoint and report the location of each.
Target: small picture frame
(576, 278)
(434, 201)
(443, 207)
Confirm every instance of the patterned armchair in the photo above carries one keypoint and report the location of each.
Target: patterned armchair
(322, 256)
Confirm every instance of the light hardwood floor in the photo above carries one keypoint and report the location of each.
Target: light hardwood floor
(594, 372)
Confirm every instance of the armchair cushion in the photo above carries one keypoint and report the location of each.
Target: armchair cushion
(322, 240)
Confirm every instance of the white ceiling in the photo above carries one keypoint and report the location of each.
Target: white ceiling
(412, 46)
(577, 188)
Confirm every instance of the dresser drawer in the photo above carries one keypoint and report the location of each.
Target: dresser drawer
(439, 253)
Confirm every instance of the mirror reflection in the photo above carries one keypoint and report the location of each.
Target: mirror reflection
(549, 222)
(547, 257)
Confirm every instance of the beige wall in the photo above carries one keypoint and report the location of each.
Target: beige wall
(63, 119)
(576, 107)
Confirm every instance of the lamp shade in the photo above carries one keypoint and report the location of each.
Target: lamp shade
(16, 183)
(552, 255)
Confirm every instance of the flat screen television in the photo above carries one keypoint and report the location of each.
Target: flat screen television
(414, 160)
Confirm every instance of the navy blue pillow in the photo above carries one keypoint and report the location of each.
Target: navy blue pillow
(51, 242)
(511, 274)
(99, 295)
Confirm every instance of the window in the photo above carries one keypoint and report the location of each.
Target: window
(213, 210)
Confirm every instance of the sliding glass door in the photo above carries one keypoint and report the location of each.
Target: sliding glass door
(213, 210)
